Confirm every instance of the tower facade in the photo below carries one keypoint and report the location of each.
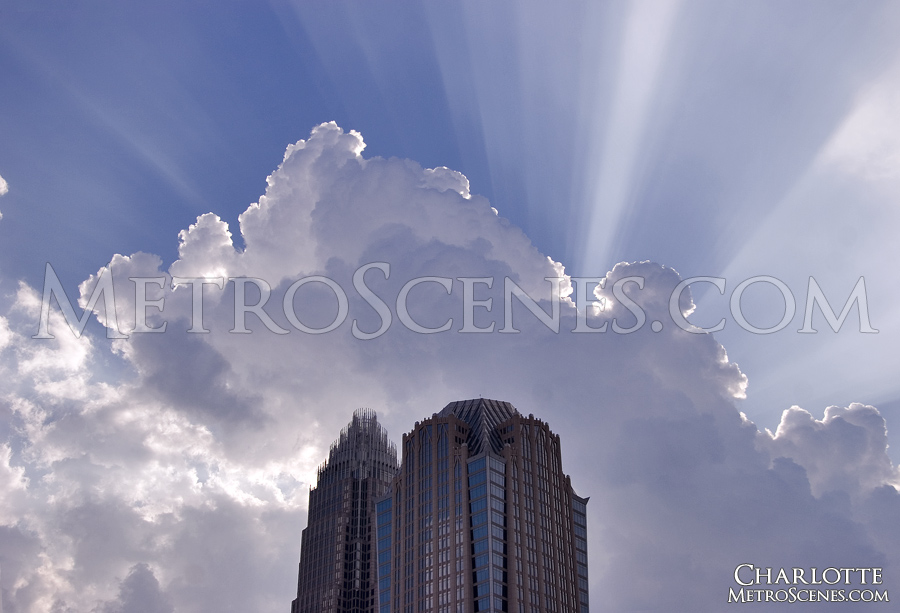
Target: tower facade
(337, 571)
(481, 517)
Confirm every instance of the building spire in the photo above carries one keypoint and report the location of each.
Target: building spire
(336, 573)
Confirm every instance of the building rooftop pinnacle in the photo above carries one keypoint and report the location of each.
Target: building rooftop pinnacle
(483, 416)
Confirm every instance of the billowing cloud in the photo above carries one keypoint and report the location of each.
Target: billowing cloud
(843, 452)
(171, 468)
(303, 220)
(4, 189)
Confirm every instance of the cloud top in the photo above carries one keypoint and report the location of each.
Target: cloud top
(4, 189)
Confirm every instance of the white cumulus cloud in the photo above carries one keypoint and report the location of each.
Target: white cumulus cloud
(173, 468)
(4, 189)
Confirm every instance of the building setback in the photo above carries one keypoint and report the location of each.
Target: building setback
(481, 517)
(337, 573)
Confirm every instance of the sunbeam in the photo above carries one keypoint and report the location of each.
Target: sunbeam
(610, 170)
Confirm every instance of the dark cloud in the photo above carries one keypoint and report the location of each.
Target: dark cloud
(184, 372)
(139, 592)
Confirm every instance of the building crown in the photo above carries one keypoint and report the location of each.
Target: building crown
(483, 416)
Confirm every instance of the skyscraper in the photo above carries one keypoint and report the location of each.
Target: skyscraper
(337, 574)
(481, 517)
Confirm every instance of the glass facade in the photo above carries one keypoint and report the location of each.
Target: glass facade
(481, 518)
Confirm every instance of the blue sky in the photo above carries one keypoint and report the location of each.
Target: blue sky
(718, 139)
(606, 133)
